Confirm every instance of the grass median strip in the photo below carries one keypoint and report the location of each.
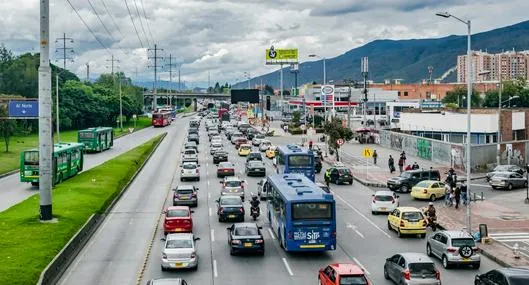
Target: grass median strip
(27, 245)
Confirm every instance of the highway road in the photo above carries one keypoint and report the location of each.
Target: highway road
(127, 247)
(12, 191)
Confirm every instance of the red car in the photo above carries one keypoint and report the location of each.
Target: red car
(225, 169)
(342, 273)
(178, 220)
(240, 141)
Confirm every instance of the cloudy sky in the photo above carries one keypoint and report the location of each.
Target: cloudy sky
(228, 37)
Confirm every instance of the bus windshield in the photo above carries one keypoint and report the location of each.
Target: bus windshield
(86, 135)
(311, 211)
(300, 161)
(31, 158)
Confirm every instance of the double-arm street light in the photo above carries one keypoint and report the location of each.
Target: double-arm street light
(247, 76)
(469, 101)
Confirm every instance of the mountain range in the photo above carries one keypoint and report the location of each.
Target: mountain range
(402, 59)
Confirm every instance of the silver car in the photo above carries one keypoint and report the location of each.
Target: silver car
(190, 155)
(180, 251)
(232, 186)
(190, 170)
(264, 145)
(507, 180)
(411, 268)
(261, 189)
(453, 248)
(215, 146)
(256, 141)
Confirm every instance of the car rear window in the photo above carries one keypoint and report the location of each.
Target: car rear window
(353, 280)
(233, 183)
(230, 201)
(189, 166)
(189, 151)
(184, 191)
(179, 243)
(246, 231)
(344, 171)
(460, 242)
(422, 268)
(412, 216)
(424, 184)
(177, 213)
(383, 198)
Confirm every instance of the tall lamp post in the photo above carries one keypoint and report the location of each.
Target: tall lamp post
(469, 101)
(324, 82)
(247, 75)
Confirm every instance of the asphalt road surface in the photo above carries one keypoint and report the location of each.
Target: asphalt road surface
(127, 247)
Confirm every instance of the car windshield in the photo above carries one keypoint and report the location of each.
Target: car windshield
(423, 184)
(216, 145)
(353, 280)
(259, 136)
(184, 191)
(422, 268)
(343, 171)
(300, 160)
(405, 175)
(265, 143)
(311, 211)
(460, 242)
(177, 213)
(189, 151)
(412, 216)
(383, 198)
(246, 147)
(502, 168)
(179, 243)
(233, 183)
(246, 231)
(189, 166)
(225, 165)
(235, 201)
(519, 280)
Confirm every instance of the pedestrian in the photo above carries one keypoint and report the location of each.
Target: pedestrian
(375, 155)
(403, 156)
(415, 166)
(408, 168)
(464, 196)
(401, 163)
(457, 196)
(310, 144)
(391, 164)
(448, 190)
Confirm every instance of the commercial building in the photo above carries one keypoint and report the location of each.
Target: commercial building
(430, 92)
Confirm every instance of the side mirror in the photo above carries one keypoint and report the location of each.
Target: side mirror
(197, 238)
(192, 211)
(218, 200)
(373, 195)
(398, 196)
(196, 188)
(388, 259)
(164, 212)
(163, 238)
(260, 228)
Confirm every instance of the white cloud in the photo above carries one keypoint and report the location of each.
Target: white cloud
(226, 38)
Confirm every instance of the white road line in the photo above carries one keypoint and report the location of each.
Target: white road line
(354, 228)
(362, 215)
(271, 233)
(209, 195)
(507, 234)
(215, 272)
(210, 211)
(212, 234)
(480, 185)
(287, 266)
(360, 264)
(208, 182)
(359, 233)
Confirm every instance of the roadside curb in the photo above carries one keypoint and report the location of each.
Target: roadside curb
(9, 173)
(55, 269)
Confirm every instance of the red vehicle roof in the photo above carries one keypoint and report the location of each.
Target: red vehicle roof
(347, 268)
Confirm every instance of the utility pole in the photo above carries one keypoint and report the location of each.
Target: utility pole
(112, 60)
(64, 51)
(171, 64)
(209, 79)
(45, 105)
(120, 105)
(156, 58)
(87, 72)
(179, 86)
(365, 72)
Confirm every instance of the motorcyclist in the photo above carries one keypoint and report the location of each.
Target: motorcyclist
(255, 203)
(431, 210)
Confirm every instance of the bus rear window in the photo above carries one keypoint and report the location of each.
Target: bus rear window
(157, 116)
(86, 135)
(300, 160)
(31, 158)
(311, 211)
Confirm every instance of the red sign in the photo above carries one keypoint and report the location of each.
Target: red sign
(340, 141)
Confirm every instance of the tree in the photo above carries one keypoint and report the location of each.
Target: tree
(335, 130)
(459, 95)
(217, 88)
(296, 116)
(7, 127)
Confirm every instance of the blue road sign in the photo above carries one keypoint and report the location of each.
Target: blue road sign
(23, 108)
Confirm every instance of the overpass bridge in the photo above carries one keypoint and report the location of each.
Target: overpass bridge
(180, 95)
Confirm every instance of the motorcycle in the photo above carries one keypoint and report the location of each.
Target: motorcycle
(254, 212)
(269, 134)
(431, 221)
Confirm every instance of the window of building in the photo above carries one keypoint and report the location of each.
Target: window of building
(405, 93)
(398, 94)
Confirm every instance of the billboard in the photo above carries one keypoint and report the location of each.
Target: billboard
(244, 95)
(327, 93)
(281, 56)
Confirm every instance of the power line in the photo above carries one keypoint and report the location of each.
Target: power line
(132, 19)
(103, 24)
(87, 27)
(112, 17)
(155, 57)
(147, 20)
(141, 22)
(64, 50)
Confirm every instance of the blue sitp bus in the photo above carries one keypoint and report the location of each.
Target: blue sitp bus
(301, 214)
(295, 159)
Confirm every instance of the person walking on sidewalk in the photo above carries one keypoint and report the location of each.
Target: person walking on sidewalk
(415, 166)
(457, 196)
(403, 156)
(375, 155)
(448, 191)
(310, 144)
(463, 188)
(391, 164)
(401, 163)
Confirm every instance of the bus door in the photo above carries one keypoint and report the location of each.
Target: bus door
(69, 164)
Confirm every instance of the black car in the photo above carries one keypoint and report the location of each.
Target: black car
(255, 168)
(193, 130)
(317, 162)
(340, 174)
(243, 128)
(254, 155)
(193, 138)
(220, 156)
(230, 208)
(407, 179)
(504, 168)
(250, 133)
(245, 237)
(504, 276)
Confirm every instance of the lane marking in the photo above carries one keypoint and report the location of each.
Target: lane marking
(209, 195)
(208, 181)
(354, 228)
(212, 234)
(360, 264)
(287, 266)
(210, 211)
(215, 272)
(362, 215)
(480, 185)
(271, 233)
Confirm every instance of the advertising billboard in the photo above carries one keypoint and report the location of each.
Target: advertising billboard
(327, 93)
(281, 56)
(244, 95)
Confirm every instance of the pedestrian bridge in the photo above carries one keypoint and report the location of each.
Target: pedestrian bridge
(180, 95)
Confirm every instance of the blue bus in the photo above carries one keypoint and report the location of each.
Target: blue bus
(295, 159)
(301, 214)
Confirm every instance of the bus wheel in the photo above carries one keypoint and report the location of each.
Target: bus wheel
(60, 179)
(34, 184)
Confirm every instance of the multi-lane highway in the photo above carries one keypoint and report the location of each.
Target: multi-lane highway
(127, 247)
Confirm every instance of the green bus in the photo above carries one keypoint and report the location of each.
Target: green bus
(96, 139)
(67, 162)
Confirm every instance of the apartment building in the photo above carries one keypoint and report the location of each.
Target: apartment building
(491, 67)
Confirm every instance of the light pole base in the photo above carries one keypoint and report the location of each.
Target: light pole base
(526, 201)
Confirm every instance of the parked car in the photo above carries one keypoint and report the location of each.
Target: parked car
(504, 168)
(225, 169)
(180, 251)
(190, 170)
(185, 195)
(384, 202)
(340, 174)
(407, 179)
(177, 219)
(232, 186)
(342, 273)
(505, 276)
(258, 139)
(507, 180)
(230, 208)
(255, 168)
(190, 155)
(411, 268)
(262, 189)
(428, 190)
(245, 237)
(454, 248)
(407, 220)
(220, 156)
(264, 145)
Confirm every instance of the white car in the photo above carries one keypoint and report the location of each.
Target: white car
(190, 170)
(258, 139)
(264, 145)
(180, 251)
(384, 202)
(215, 146)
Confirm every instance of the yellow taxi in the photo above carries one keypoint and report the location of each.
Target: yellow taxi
(245, 149)
(271, 152)
(428, 189)
(407, 220)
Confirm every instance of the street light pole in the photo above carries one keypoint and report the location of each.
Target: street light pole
(498, 135)
(57, 106)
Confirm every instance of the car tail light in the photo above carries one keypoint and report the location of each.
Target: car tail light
(290, 235)
(182, 171)
(164, 256)
(259, 241)
(197, 171)
(374, 200)
(437, 275)
(451, 249)
(193, 255)
(221, 210)
(407, 275)
(241, 209)
(235, 241)
(425, 191)
(194, 195)
(392, 200)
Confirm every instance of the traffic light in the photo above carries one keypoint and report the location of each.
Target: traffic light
(268, 103)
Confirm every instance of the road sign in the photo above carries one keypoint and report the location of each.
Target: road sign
(302, 127)
(367, 152)
(23, 108)
(340, 141)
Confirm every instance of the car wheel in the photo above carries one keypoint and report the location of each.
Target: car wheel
(428, 250)
(446, 265)
(510, 186)
(373, 212)
(493, 187)
(386, 275)
(163, 268)
(195, 205)
(433, 198)
(403, 189)
(337, 182)
(319, 281)
(389, 226)
(423, 235)
(220, 220)
(232, 252)
(399, 233)
(181, 179)
(525, 184)
(476, 265)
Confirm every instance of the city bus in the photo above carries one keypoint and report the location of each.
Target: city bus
(96, 139)
(301, 214)
(161, 119)
(295, 159)
(170, 110)
(67, 162)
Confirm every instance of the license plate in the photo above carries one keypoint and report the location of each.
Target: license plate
(225, 170)
(466, 259)
(184, 198)
(383, 209)
(179, 264)
(247, 244)
(231, 216)
(178, 230)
